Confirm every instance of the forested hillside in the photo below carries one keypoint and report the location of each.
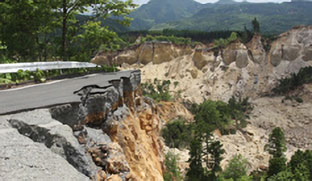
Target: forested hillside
(163, 11)
(223, 15)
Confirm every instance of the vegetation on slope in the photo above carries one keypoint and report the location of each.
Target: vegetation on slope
(275, 18)
(295, 80)
(162, 11)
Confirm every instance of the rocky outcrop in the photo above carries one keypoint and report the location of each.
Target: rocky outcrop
(256, 48)
(24, 159)
(155, 52)
(113, 134)
(243, 70)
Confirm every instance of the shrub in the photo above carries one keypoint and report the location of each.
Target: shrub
(41, 76)
(295, 80)
(172, 39)
(159, 90)
(237, 168)
(172, 172)
(177, 134)
(222, 116)
(224, 42)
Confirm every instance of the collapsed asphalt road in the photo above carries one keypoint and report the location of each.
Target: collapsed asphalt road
(52, 93)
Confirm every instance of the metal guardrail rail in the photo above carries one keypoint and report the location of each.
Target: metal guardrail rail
(33, 66)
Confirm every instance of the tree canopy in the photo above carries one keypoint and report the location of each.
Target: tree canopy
(44, 30)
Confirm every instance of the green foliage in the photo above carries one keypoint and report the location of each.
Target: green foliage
(159, 90)
(213, 157)
(301, 164)
(301, 172)
(276, 165)
(285, 175)
(209, 117)
(277, 144)
(2, 46)
(296, 98)
(224, 42)
(276, 147)
(172, 39)
(196, 170)
(172, 172)
(236, 168)
(97, 38)
(206, 153)
(205, 156)
(41, 76)
(177, 133)
(24, 25)
(57, 29)
(255, 25)
(239, 110)
(160, 11)
(223, 116)
(274, 18)
(295, 80)
(194, 35)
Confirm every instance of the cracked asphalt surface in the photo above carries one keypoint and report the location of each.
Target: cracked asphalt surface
(52, 93)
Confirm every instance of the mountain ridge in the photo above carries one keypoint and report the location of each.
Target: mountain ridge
(223, 15)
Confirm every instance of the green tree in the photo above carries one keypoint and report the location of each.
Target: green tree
(208, 117)
(68, 9)
(255, 25)
(277, 144)
(276, 147)
(300, 164)
(24, 24)
(285, 175)
(308, 161)
(172, 172)
(205, 152)
(296, 159)
(95, 36)
(301, 172)
(276, 165)
(177, 134)
(236, 168)
(215, 152)
(196, 170)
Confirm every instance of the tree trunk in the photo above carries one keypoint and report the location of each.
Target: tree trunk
(64, 31)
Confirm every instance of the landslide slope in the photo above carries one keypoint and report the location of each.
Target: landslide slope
(245, 70)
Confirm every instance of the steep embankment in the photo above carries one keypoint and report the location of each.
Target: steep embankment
(113, 134)
(203, 73)
(250, 70)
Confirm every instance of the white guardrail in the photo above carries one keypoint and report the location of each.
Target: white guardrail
(33, 66)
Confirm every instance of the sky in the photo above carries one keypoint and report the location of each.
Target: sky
(212, 1)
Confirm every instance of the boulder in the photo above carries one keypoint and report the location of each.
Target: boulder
(23, 159)
(145, 53)
(202, 57)
(307, 54)
(241, 58)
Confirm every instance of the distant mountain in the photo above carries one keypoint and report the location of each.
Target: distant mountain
(226, 2)
(223, 15)
(163, 11)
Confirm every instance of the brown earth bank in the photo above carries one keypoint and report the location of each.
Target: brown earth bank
(113, 134)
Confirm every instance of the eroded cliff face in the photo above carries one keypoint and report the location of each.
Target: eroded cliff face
(246, 70)
(203, 73)
(149, 52)
(113, 134)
